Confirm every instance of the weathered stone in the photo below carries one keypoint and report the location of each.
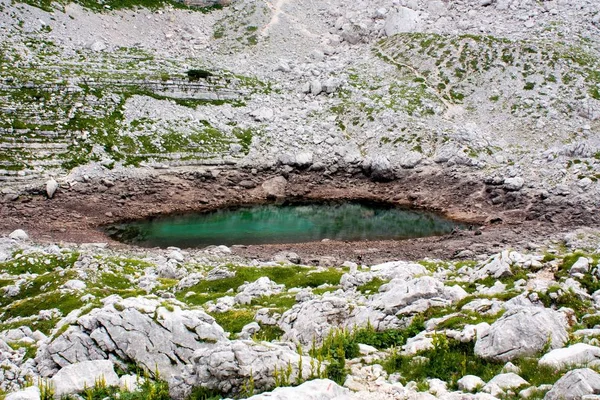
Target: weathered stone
(19, 234)
(51, 187)
(30, 393)
(513, 184)
(470, 383)
(138, 329)
(402, 20)
(275, 187)
(576, 355)
(75, 378)
(228, 365)
(522, 331)
(574, 385)
(318, 389)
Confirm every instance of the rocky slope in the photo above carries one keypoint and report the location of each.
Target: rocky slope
(209, 323)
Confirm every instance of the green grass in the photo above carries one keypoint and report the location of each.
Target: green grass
(98, 6)
(234, 320)
(389, 337)
(373, 286)
(449, 361)
(290, 276)
(38, 263)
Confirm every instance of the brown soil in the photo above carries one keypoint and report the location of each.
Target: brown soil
(500, 218)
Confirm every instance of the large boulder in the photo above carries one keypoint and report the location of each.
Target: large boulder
(379, 168)
(313, 319)
(275, 187)
(75, 378)
(578, 354)
(151, 333)
(575, 384)
(522, 331)
(318, 389)
(30, 393)
(402, 20)
(227, 366)
(423, 292)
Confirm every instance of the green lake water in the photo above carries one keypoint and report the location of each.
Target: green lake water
(295, 223)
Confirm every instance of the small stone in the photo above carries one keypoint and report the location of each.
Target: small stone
(514, 184)
(316, 87)
(19, 234)
(470, 383)
(51, 187)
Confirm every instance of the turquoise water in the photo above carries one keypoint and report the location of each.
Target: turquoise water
(264, 224)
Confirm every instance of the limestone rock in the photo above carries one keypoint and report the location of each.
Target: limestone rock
(314, 318)
(505, 381)
(74, 284)
(581, 266)
(140, 329)
(513, 184)
(228, 365)
(399, 294)
(380, 169)
(19, 234)
(261, 287)
(77, 377)
(577, 354)
(575, 384)
(51, 187)
(316, 87)
(470, 383)
(402, 20)
(318, 389)
(263, 114)
(522, 331)
(304, 159)
(30, 393)
(275, 187)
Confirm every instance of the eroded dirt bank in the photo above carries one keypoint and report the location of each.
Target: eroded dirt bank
(499, 216)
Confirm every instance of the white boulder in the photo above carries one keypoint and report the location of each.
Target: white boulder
(77, 377)
(577, 354)
(19, 234)
(30, 393)
(470, 383)
(522, 331)
(318, 389)
(51, 187)
(575, 384)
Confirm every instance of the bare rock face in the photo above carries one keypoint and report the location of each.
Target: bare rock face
(228, 365)
(142, 330)
(522, 331)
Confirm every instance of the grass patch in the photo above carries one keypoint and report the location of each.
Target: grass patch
(449, 361)
(234, 320)
(37, 263)
(372, 286)
(389, 337)
(290, 276)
